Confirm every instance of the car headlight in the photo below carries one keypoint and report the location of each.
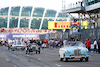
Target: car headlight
(68, 51)
(86, 50)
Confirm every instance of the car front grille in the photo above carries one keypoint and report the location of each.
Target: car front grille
(33, 48)
(77, 52)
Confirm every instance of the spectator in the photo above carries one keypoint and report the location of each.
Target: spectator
(86, 43)
(43, 45)
(32, 41)
(56, 43)
(89, 44)
(95, 45)
(64, 42)
(99, 46)
(52, 43)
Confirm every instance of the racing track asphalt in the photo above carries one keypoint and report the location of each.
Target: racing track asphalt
(47, 58)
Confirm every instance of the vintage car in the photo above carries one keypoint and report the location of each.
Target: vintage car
(33, 47)
(16, 46)
(73, 50)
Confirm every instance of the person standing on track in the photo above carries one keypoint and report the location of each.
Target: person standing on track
(86, 43)
(95, 45)
(89, 44)
(99, 46)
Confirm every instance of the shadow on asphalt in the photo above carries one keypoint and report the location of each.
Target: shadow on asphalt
(71, 60)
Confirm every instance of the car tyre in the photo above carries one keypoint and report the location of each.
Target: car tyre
(86, 59)
(36, 52)
(61, 59)
(22, 49)
(65, 59)
(81, 59)
(13, 50)
(39, 52)
(26, 52)
(8, 47)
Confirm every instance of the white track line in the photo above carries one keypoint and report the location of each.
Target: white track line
(39, 58)
(15, 66)
(58, 65)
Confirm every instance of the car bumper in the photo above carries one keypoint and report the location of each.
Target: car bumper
(76, 57)
(18, 48)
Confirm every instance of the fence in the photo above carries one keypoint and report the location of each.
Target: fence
(57, 35)
(91, 34)
(85, 34)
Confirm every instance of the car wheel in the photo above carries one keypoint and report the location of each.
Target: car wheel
(65, 59)
(36, 52)
(86, 59)
(39, 52)
(26, 52)
(8, 48)
(13, 50)
(61, 59)
(29, 52)
(22, 49)
(81, 59)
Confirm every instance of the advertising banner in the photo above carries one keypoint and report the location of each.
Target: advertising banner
(84, 24)
(58, 25)
(67, 24)
(17, 36)
(3, 36)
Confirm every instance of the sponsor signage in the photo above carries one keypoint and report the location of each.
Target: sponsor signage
(75, 25)
(15, 36)
(67, 24)
(58, 25)
(3, 35)
(84, 24)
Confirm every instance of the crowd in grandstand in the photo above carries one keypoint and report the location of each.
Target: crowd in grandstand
(24, 30)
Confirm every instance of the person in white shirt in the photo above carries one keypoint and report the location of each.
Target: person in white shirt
(43, 45)
(95, 45)
(52, 43)
(64, 42)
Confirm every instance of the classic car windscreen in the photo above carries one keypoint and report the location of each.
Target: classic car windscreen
(19, 43)
(75, 43)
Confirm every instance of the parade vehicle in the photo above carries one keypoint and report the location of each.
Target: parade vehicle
(32, 47)
(73, 50)
(16, 46)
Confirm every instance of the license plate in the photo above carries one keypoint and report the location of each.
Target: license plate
(77, 57)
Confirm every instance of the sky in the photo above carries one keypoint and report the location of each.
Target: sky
(50, 4)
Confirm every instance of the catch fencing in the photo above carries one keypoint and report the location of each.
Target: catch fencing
(85, 34)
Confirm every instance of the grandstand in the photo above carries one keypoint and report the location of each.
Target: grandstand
(22, 17)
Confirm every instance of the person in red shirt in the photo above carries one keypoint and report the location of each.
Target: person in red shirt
(89, 44)
(86, 43)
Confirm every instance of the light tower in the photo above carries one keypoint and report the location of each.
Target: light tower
(63, 8)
